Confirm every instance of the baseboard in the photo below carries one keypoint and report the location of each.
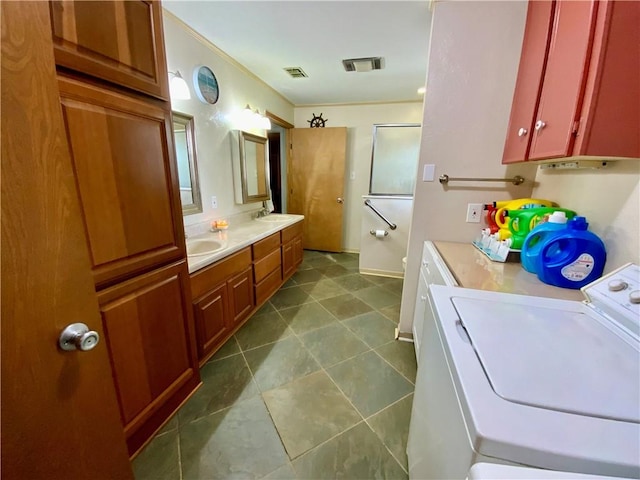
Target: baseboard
(381, 273)
(403, 336)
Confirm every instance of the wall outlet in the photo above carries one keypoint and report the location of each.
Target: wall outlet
(474, 212)
(353, 175)
(214, 202)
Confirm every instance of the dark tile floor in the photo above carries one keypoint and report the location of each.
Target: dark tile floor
(313, 386)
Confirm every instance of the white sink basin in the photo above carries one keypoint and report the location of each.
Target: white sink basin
(203, 247)
(276, 218)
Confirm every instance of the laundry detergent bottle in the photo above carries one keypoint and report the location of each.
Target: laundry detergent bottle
(525, 220)
(573, 257)
(535, 240)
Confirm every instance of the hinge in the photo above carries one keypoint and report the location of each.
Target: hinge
(576, 126)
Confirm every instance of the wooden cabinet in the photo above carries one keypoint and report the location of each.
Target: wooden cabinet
(125, 176)
(112, 83)
(148, 332)
(578, 86)
(222, 298)
(266, 267)
(119, 41)
(291, 249)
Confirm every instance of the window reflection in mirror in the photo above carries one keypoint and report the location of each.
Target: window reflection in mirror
(185, 144)
(394, 158)
(253, 162)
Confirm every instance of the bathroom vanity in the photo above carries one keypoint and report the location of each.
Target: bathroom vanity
(248, 263)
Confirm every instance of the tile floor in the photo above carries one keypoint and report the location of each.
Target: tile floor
(313, 386)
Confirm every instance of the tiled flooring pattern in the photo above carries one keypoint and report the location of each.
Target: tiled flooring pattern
(313, 386)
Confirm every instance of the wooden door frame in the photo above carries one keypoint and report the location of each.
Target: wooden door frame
(286, 138)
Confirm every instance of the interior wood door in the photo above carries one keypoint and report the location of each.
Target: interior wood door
(315, 178)
(59, 412)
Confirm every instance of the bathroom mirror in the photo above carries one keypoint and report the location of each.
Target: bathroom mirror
(254, 168)
(394, 158)
(185, 143)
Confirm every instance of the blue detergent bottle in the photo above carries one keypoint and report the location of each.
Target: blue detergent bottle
(535, 240)
(571, 258)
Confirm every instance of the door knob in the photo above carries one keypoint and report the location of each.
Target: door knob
(522, 132)
(540, 125)
(77, 336)
(340, 200)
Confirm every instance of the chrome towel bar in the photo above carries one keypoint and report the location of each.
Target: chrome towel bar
(368, 203)
(517, 180)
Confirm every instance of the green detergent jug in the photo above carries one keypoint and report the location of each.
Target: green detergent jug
(524, 220)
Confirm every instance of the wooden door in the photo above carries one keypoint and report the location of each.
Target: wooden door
(59, 412)
(315, 180)
(535, 45)
(564, 79)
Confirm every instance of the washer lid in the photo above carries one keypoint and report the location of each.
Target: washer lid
(553, 359)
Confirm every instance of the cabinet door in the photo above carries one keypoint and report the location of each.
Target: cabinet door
(212, 319)
(149, 332)
(122, 151)
(288, 261)
(535, 45)
(564, 79)
(241, 295)
(297, 251)
(119, 41)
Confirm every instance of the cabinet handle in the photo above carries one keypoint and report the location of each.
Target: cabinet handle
(522, 132)
(425, 263)
(540, 125)
(423, 298)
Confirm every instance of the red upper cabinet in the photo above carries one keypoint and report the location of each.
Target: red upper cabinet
(578, 87)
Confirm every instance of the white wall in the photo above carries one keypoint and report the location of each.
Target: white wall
(186, 50)
(608, 198)
(359, 120)
(473, 62)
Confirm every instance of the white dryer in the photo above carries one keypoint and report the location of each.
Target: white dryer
(537, 382)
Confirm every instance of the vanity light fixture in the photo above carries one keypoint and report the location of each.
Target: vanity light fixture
(178, 87)
(254, 119)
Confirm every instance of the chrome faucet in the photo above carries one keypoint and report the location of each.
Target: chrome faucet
(263, 212)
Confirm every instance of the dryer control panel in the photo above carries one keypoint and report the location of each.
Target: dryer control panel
(617, 295)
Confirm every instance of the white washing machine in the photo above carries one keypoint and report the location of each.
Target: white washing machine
(528, 381)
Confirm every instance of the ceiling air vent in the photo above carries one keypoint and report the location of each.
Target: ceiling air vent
(296, 72)
(362, 64)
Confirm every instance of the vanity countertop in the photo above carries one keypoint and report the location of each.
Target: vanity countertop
(239, 236)
(472, 269)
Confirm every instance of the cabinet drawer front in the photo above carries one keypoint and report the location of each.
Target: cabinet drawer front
(148, 330)
(125, 178)
(266, 287)
(265, 246)
(268, 264)
(118, 41)
(291, 232)
(204, 280)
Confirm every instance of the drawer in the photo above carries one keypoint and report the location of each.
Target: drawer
(265, 246)
(266, 287)
(265, 266)
(204, 280)
(293, 231)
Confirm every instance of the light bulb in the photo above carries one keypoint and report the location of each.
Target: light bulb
(178, 87)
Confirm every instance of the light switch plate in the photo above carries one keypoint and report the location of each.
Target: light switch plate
(428, 173)
(214, 202)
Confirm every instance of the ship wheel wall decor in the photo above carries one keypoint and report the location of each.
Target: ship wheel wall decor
(317, 122)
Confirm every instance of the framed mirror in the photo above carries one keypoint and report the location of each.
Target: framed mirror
(254, 168)
(185, 143)
(394, 158)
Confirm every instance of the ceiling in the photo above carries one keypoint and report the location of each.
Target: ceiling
(267, 36)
